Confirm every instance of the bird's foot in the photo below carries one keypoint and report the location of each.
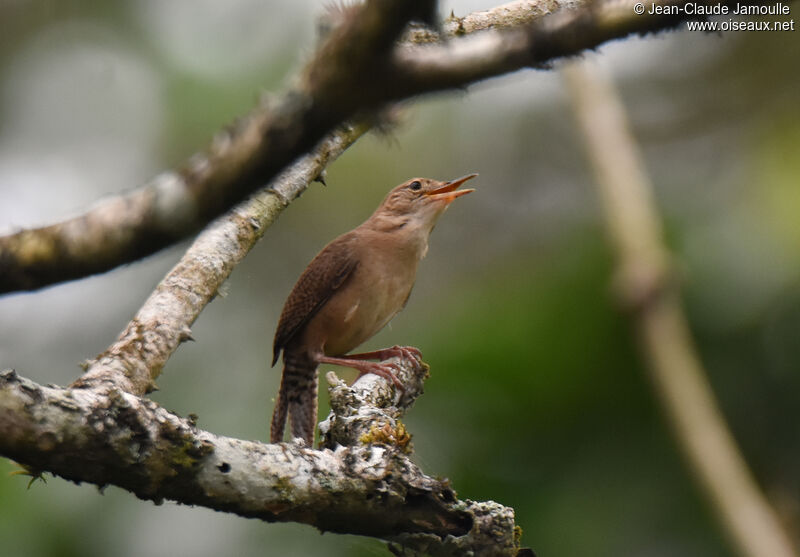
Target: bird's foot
(407, 353)
(386, 370)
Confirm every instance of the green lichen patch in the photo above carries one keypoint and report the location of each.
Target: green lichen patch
(397, 436)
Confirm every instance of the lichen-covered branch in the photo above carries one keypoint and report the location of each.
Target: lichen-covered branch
(356, 71)
(650, 293)
(370, 410)
(108, 437)
(135, 360)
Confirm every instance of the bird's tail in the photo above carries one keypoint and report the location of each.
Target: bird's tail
(297, 398)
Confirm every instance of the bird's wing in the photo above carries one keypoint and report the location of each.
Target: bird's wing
(327, 272)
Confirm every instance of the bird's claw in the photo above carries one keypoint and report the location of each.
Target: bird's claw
(387, 370)
(409, 354)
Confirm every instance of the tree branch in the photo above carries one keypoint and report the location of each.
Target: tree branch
(369, 487)
(240, 160)
(648, 289)
(352, 73)
(136, 359)
(505, 16)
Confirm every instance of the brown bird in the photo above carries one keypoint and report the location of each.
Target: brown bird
(349, 292)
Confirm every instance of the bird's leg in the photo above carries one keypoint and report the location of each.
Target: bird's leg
(408, 353)
(381, 369)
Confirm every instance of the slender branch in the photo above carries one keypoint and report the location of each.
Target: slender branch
(109, 437)
(505, 16)
(352, 73)
(649, 291)
(537, 44)
(137, 357)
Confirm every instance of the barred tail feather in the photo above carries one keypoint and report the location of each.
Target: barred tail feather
(279, 417)
(297, 398)
(303, 409)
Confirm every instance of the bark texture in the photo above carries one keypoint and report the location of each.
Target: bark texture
(368, 487)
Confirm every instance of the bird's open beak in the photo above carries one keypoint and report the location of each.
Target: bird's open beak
(448, 191)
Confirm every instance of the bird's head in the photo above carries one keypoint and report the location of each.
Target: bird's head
(418, 202)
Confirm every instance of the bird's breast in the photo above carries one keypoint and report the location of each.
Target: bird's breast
(375, 293)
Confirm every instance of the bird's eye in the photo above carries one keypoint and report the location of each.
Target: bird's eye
(415, 185)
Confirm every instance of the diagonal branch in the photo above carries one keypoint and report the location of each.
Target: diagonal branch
(537, 44)
(567, 32)
(137, 357)
(652, 295)
(354, 72)
(239, 161)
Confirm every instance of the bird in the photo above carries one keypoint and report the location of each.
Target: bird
(349, 292)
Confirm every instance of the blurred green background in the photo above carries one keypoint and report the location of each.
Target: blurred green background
(537, 398)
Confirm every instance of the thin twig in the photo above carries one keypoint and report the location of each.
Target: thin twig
(653, 298)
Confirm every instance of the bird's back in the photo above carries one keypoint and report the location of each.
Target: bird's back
(326, 273)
